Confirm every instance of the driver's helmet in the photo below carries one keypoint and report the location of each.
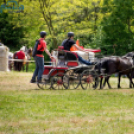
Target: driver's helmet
(42, 34)
(70, 34)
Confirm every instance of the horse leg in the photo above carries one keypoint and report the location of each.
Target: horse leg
(132, 74)
(15, 66)
(119, 78)
(108, 82)
(19, 66)
(130, 79)
(130, 85)
(23, 67)
(26, 67)
(104, 83)
(101, 82)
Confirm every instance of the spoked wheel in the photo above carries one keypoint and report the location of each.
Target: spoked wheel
(74, 79)
(89, 79)
(46, 84)
(60, 81)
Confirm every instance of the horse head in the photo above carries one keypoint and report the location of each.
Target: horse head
(130, 54)
(29, 51)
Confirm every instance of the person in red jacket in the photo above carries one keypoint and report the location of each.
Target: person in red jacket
(19, 55)
(39, 58)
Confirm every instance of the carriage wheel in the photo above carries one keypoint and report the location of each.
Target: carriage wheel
(89, 79)
(74, 79)
(46, 84)
(60, 81)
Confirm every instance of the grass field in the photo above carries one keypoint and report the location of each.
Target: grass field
(26, 110)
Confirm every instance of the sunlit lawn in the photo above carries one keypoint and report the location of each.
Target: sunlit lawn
(25, 109)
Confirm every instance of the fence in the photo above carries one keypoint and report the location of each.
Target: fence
(31, 64)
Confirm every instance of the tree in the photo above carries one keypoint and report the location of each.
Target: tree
(9, 35)
(47, 10)
(116, 25)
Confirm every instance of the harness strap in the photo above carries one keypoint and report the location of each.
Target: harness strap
(38, 51)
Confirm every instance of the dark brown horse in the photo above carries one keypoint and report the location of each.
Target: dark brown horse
(112, 65)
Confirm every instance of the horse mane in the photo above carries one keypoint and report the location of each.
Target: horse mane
(129, 54)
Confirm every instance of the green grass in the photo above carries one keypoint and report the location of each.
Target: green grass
(26, 110)
(31, 67)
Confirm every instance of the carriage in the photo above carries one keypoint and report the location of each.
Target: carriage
(66, 72)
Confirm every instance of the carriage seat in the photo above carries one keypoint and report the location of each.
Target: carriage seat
(87, 56)
(68, 58)
(60, 48)
(67, 55)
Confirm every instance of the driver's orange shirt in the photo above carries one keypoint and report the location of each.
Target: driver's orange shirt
(41, 47)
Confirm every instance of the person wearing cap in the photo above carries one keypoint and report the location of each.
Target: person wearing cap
(39, 58)
(20, 55)
(68, 43)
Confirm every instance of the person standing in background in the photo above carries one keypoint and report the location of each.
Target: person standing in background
(20, 55)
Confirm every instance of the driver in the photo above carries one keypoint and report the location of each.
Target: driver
(68, 43)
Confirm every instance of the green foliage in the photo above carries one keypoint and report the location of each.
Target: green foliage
(116, 25)
(57, 20)
(96, 23)
(10, 35)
